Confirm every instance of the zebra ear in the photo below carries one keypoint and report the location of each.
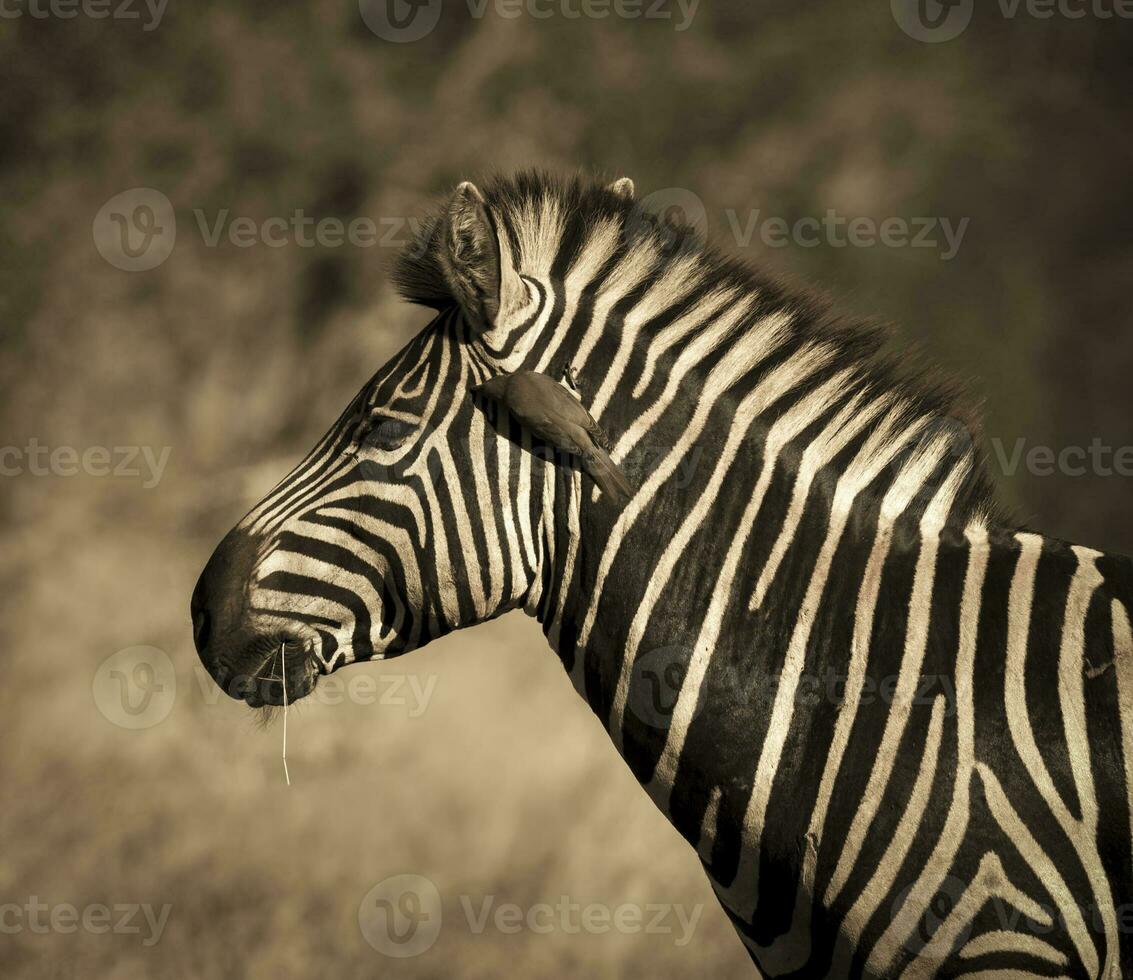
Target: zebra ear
(478, 271)
(623, 187)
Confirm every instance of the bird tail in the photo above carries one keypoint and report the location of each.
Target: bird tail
(605, 472)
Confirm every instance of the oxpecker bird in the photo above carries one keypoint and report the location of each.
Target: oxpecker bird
(556, 416)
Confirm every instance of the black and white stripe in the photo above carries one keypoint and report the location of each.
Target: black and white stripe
(961, 806)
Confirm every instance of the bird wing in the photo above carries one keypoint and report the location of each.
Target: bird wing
(598, 434)
(607, 474)
(558, 406)
(561, 434)
(556, 416)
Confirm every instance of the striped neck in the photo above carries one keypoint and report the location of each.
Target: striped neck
(746, 418)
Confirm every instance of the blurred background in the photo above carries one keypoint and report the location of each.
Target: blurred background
(126, 779)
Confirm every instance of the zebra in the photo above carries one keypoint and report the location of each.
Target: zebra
(957, 800)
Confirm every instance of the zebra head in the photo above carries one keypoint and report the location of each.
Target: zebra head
(422, 509)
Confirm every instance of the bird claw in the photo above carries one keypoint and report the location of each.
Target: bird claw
(571, 378)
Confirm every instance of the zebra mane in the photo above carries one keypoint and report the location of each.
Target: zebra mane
(572, 206)
(549, 219)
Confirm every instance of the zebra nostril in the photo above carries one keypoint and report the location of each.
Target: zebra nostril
(239, 686)
(202, 626)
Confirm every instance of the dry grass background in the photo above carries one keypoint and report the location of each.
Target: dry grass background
(237, 359)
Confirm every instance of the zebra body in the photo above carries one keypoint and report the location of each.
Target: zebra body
(897, 730)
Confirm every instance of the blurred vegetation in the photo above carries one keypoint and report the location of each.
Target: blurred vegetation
(239, 358)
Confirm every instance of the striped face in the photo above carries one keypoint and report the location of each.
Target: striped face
(419, 512)
(391, 532)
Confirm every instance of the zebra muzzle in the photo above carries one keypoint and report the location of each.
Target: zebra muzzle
(265, 683)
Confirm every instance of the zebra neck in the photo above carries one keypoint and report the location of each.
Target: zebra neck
(809, 461)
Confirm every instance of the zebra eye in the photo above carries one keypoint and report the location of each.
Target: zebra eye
(378, 431)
